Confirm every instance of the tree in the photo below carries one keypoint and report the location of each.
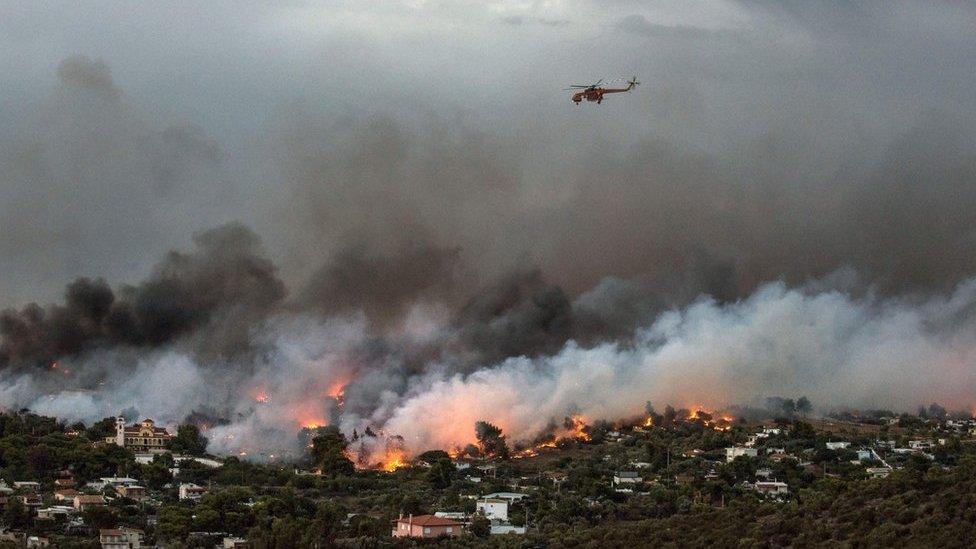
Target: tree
(173, 522)
(652, 414)
(441, 473)
(325, 526)
(803, 406)
(156, 475)
(188, 441)
(667, 420)
(490, 439)
(101, 429)
(433, 456)
(803, 430)
(480, 526)
(936, 411)
(99, 516)
(328, 452)
(40, 461)
(16, 515)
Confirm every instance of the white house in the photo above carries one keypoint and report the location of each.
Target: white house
(493, 508)
(772, 487)
(626, 477)
(120, 538)
(512, 497)
(735, 451)
(878, 472)
(55, 511)
(507, 529)
(191, 491)
(840, 445)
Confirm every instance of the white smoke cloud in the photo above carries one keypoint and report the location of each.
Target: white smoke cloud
(831, 346)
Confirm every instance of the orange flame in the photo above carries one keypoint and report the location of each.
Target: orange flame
(579, 429)
(337, 389)
(393, 460)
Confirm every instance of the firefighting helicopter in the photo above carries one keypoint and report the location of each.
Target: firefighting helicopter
(593, 92)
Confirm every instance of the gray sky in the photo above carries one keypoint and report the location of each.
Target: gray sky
(783, 139)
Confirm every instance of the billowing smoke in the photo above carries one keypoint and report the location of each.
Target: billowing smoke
(520, 353)
(213, 294)
(785, 207)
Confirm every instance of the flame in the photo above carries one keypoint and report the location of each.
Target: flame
(707, 418)
(393, 460)
(649, 422)
(262, 397)
(337, 390)
(313, 423)
(575, 430)
(579, 429)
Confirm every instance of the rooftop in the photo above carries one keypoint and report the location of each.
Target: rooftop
(429, 520)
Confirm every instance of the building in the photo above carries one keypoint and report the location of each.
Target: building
(426, 526)
(113, 482)
(772, 487)
(878, 472)
(120, 538)
(735, 451)
(144, 437)
(506, 528)
(463, 518)
(191, 491)
(132, 491)
(493, 508)
(68, 494)
(85, 501)
(27, 485)
(55, 512)
(838, 445)
(235, 543)
(31, 501)
(557, 477)
(627, 477)
(512, 497)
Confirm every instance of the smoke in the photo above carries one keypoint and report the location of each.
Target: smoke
(835, 348)
(431, 377)
(213, 295)
(785, 207)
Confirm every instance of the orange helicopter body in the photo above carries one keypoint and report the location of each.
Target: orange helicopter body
(595, 93)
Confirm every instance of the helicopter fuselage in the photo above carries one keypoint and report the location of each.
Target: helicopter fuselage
(596, 94)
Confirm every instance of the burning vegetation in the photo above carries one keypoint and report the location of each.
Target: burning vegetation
(372, 449)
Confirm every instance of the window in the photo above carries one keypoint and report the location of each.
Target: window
(426, 529)
(450, 529)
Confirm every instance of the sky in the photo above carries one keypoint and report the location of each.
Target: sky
(220, 112)
(195, 188)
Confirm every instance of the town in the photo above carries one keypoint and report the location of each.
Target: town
(681, 477)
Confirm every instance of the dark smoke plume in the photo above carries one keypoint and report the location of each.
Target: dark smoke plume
(214, 294)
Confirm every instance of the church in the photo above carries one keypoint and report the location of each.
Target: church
(144, 437)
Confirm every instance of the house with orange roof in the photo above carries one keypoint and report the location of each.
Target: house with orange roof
(426, 526)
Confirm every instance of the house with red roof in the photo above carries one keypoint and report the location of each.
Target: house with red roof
(426, 526)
